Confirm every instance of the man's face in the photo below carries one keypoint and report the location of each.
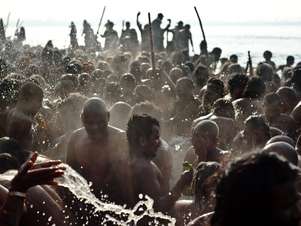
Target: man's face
(95, 124)
(152, 143)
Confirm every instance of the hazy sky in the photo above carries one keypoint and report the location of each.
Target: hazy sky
(210, 10)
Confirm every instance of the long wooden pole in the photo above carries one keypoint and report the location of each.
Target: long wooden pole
(151, 43)
(201, 24)
(103, 13)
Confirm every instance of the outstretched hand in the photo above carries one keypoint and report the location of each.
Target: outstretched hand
(31, 174)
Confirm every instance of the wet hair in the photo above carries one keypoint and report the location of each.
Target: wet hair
(246, 188)
(30, 91)
(140, 126)
(237, 81)
(147, 108)
(221, 105)
(255, 88)
(216, 85)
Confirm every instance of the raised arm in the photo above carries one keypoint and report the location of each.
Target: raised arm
(138, 23)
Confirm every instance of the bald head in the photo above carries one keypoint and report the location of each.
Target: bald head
(283, 149)
(206, 127)
(95, 117)
(95, 105)
(281, 138)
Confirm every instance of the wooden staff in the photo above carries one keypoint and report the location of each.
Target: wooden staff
(201, 25)
(103, 13)
(151, 44)
(249, 64)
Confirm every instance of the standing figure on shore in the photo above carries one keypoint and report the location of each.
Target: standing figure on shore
(2, 32)
(20, 34)
(111, 36)
(145, 42)
(128, 38)
(158, 32)
(89, 35)
(73, 38)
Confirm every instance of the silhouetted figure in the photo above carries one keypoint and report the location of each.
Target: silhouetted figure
(47, 53)
(73, 38)
(111, 36)
(20, 34)
(2, 31)
(158, 32)
(89, 35)
(128, 38)
(145, 42)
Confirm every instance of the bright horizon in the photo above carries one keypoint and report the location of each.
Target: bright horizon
(231, 11)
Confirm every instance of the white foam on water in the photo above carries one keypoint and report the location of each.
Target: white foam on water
(80, 188)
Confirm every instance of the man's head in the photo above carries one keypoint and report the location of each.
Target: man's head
(267, 55)
(127, 25)
(272, 106)
(260, 190)
(283, 149)
(143, 133)
(160, 16)
(95, 118)
(234, 59)
(216, 52)
(236, 85)
(223, 108)
(184, 88)
(290, 60)
(127, 83)
(204, 137)
(288, 98)
(256, 131)
(255, 88)
(30, 98)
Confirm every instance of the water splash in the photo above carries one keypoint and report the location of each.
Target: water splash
(80, 188)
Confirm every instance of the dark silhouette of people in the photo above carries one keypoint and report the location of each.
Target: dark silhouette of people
(73, 38)
(111, 36)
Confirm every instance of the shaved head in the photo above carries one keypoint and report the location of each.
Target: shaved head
(283, 149)
(206, 127)
(95, 117)
(94, 105)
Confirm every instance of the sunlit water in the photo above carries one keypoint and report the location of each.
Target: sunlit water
(79, 187)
